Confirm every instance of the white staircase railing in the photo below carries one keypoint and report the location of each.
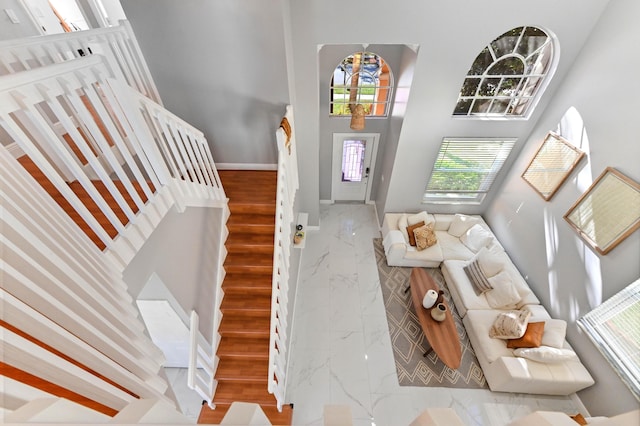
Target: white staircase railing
(79, 124)
(202, 363)
(117, 44)
(287, 187)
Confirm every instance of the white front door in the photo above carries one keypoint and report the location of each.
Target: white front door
(353, 159)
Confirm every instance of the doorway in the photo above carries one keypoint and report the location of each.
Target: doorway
(354, 158)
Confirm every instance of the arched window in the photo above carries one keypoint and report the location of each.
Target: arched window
(362, 78)
(507, 75)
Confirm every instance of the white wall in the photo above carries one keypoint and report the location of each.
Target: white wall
(182, 251)
(569, 277)
(220, 65)
(449, 37)
(9, 30)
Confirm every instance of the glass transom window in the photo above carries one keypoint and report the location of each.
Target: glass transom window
(506, 77)
(465, 170)
(362, 78)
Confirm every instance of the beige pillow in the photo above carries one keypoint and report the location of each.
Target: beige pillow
(425, 236)
(510, 324)
(504, 294)
(412, 237)
(461, 224)
(476, 238)
(412, 219)
(555, 331)
(546, 354)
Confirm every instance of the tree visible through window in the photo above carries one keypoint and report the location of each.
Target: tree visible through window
(465, 170)
(507, 75)
(362, 78)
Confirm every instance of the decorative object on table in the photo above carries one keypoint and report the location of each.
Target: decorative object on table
(439, 312)
(430, 299)
(608, 212)
(298, 237)
(412, 368)
(551, 165)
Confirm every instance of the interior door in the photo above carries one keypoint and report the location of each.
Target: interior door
(353, 159)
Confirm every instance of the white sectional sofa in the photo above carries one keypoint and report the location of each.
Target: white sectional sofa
(552, 369)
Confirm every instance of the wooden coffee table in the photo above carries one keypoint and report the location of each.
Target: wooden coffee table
(442, 336)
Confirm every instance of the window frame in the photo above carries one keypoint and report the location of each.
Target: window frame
(488, 175)
(616, 355)
(524, 92)
(377, 87)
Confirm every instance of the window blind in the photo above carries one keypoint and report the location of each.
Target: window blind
(467, 167)
(614, 327)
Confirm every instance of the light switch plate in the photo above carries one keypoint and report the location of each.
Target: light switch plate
(12, 16)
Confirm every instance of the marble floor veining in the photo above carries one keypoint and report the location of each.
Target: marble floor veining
(340, 350)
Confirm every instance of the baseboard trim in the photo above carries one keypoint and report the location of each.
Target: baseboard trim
(579, 405)
(246, 166)
(327, 202)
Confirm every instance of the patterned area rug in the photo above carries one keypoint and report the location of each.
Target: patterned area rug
(408, 341)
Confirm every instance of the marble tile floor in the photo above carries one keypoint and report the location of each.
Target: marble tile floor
(340, 346)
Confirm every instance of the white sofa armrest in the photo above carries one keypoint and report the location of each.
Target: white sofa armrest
(394, 247)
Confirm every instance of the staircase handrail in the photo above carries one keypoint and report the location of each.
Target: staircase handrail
(287, 186)
(118, 44)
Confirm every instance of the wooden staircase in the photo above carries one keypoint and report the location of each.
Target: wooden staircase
(246, 308)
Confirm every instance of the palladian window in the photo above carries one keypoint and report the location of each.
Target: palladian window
(506, 78)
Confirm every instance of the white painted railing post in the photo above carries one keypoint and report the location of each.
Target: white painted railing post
(201, 363)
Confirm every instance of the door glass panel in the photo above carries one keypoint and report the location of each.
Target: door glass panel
(353, 160)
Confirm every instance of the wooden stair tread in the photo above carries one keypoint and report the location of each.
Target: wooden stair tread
(243, 369)
(249, 258)
(248, 281)
(230, 391)
(251, 301)
(209, 416)
(253, 347)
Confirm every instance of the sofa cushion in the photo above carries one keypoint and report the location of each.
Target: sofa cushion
(461, 224)
(410, 229)
(452, 248)
(504, 294)
(510, 324)
(490, 262)
(546, 354)
(425, 236)
(532, 337)
(433, 253)
(478, 279)
(476, 238)
(478, 324)
(412, 219)
(402, 227)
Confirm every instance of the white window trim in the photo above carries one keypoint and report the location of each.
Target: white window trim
(618, 356)
(477, 196)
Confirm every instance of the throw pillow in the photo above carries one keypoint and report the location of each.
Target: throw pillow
(412, 237)
(476, 238)
(478, 279)
(412, 219)
(490, 262)
(546, 354)
(425, 236)
(504, 294)
(402, 227)
(510, 324)
(532, 337)
(555, 331)
(461, 224)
